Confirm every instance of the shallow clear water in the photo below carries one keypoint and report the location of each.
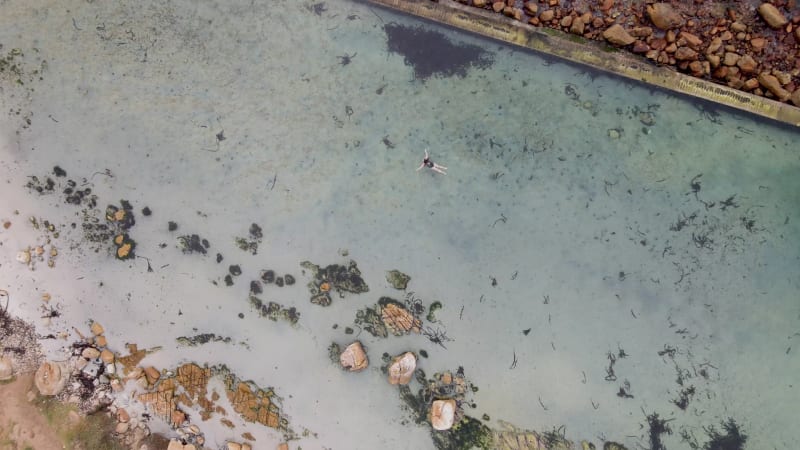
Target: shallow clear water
(562, 213)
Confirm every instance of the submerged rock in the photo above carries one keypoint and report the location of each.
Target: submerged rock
(443, 414)
(397, 279)
(333, 277)
(398, 318)
(353, 358)
(402, 368)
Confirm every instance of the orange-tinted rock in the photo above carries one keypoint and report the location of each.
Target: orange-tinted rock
(443, 413)
(353, 358)
(402, 368)
(772, 16)
(399, 320)
(685, 54)
(773, 85)
(617, 35)
(691, 39)
(747, 64)
(664, 16)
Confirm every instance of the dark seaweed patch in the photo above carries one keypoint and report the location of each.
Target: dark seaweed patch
(431, 53)
(732, 439)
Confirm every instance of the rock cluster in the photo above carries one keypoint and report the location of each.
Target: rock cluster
(744, 49)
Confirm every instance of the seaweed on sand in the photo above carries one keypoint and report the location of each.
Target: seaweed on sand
(731, 439)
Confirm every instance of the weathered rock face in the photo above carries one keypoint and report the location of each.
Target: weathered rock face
(772, 16)
(51, 377)
(397, 279)
(6, 368)
(747, 64)
(772, 84)
(402, 368)
(443, 413)
(685, 54)
(796, 97)
(617, 35)
(353, 358)
(664, 16)
(398, 319)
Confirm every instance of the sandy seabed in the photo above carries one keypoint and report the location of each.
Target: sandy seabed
(581, 217)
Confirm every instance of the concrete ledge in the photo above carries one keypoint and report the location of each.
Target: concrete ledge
(592, 53)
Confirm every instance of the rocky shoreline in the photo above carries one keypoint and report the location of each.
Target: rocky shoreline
(746, 45)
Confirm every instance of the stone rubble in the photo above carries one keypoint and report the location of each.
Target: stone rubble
(693, 37)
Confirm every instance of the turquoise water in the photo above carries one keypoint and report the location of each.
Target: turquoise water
(581, 216)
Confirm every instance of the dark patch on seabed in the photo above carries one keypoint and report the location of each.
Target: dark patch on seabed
(431, 53)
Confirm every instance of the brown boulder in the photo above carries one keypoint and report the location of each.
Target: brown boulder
(750, 84)
(738, 27)
(715, 45)
(664, 16)
(772, 84)
(758, 43)
(772, 16)
(641, 32)
(640, 47)
(531, 8)
(685, 54)
(747, 64)
(730, 59)
(547, 16)
(796, 97)
(697, 69)
(617, 35)
(498, 6)
(577, 27)
(691, 39)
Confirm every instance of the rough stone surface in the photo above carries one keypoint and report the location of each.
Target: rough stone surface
(443, 413)
(402, 368)
(617, 35)
(397, 318)
(353, 358)
(51, 377)
(796, 97)
(772, 16)
(685, 54)
(772, 84)
(397, 279)
(664, 16)
(97, 329)
(747, 64)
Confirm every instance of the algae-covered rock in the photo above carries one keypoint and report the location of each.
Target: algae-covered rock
(397, 279)
(614, 446)
(333, 277)
(370, 320)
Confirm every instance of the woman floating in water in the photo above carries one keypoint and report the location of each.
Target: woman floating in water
(432, 165)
